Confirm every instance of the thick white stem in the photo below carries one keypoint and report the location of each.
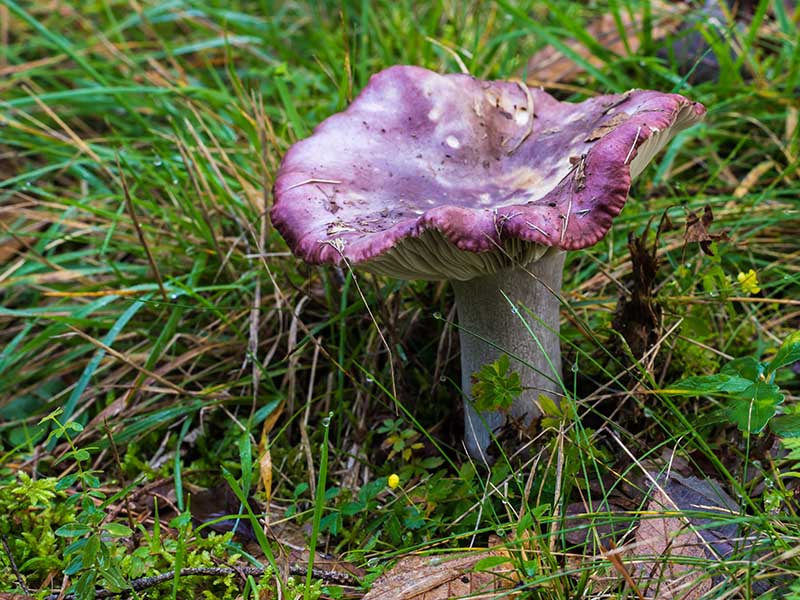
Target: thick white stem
(483, 312)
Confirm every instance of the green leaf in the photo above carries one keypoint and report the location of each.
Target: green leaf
(786, 426)
(75, 565)
(711, 384)
(432, 462)
(246, 460)
(751, 410)
(90, 550)
(181, 521)
(66, 482)
(85, 586)
(81, 455)
(502, 365)
(117, 530)
(413, 518)
(746, 367)
(490, 562)
(352, 508)
(74, 426)
(552, 413)
(494, 387)
(115, 579)
(788, 353)
(72, 530)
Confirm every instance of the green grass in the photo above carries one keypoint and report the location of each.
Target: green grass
(145, 296)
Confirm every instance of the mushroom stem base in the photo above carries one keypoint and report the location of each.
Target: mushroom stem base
(483, 312)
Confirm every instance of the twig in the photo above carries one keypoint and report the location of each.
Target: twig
(143, 583)
(13, 564)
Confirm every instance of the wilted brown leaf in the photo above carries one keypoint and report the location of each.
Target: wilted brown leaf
(697, 230)
(638, 317)
(666, 542)
(684, 523)
(442, 576)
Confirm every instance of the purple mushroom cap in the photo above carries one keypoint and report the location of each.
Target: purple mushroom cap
(429, 176)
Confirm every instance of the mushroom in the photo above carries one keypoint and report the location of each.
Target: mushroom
(483, 183)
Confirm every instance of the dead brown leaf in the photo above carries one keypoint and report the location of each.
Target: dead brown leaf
(697, 230)
(442, 576)
(638, 317)
(667, 542)
(683, 528)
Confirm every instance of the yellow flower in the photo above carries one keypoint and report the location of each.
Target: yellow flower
(393, 480)
(749, 282)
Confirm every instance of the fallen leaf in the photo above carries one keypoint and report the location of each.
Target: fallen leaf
(443, 576)
(638, 317)
(684, 523)
(665, 542)
(697, 230)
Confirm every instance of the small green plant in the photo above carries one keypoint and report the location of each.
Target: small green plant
(400, 439)
(37, 510)
(494, 387)
(90, 555)
(747, 386)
